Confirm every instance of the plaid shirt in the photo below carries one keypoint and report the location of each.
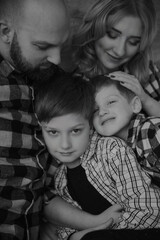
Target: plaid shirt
(152, 86)
(144, 139)
(22, 164)
(112, 169)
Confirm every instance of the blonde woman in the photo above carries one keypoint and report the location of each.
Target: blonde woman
(115, 38)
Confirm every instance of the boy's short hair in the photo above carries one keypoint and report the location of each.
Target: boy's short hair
(64, 94)
(104, 80)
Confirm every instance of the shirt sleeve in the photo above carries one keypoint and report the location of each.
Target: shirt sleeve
(133, 188)
(153, 83)
(50, 191)
(148, 147)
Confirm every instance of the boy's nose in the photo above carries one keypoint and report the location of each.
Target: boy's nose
(65, 142)
(103, 111)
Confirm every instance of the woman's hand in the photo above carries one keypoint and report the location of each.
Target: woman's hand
(149, 104)
(130, 82)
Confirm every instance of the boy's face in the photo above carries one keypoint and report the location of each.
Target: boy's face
(67, 138)
(112, 112)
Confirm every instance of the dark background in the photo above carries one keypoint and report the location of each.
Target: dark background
(78, 7)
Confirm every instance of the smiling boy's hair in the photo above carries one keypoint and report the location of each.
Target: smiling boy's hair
(104, 80)
(64, 94)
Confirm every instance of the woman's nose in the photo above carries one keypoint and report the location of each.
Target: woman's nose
(120, 48)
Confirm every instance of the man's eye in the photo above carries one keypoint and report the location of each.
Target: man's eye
(40, 47)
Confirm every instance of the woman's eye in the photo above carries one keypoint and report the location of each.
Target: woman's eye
(112, 34)
(134, 43)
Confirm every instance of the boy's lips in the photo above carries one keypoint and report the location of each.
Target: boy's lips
(66, 153)
(107, 120)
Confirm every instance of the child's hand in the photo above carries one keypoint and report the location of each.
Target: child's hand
(114, 212)
(80, 234)
(130, 82)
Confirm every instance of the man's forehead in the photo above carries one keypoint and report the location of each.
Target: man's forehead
(45, 23)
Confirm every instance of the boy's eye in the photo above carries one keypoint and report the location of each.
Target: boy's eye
(53, 132)
(111, 102)
(76, 130)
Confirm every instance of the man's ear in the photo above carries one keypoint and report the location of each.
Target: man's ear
(136, 104)
(6, 31)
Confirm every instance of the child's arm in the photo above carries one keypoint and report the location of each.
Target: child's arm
(133, 186)
(64, 214)
(48, 231)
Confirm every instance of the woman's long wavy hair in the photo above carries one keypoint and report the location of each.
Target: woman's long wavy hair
(102, 15)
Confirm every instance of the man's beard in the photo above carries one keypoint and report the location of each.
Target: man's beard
(35, 75)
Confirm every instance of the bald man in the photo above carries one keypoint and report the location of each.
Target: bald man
(32, 33)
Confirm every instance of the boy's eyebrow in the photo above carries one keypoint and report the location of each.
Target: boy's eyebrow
(49, 127)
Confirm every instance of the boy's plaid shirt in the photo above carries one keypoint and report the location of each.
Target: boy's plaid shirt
(144, 139)
(111, 167)
(22, 167)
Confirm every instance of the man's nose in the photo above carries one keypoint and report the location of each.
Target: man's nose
(54, 56)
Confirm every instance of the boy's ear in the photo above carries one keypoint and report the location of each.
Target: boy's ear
(6, 31)
(136, 104)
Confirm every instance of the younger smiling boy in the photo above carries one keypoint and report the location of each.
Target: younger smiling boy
(117, 113)
(97, 172)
